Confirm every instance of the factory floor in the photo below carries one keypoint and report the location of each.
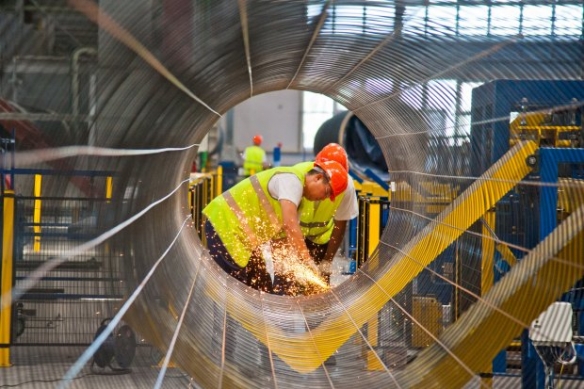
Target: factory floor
(43, 368)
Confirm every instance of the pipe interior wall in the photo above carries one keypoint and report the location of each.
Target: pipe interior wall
(160, 92)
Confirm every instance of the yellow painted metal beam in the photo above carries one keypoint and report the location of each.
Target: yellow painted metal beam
(488, 250)
(374, 226)
(219, 182)
(38, 180)
(507, 254)
(109, 187)
(528, 289)
(305, 352)
(371, 188)
(374, 232)
(6, 279)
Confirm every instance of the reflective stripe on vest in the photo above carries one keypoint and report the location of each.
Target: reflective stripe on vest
(316, 217)
(253, 240)
(264, 201)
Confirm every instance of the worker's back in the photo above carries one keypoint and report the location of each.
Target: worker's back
(254, 158)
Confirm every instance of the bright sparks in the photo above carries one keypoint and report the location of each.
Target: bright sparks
(301, 279)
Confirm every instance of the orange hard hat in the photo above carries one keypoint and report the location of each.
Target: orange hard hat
(257, 140)
(333, 152)
(337, 176)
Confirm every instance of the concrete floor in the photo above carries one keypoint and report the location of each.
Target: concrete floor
(43, 368)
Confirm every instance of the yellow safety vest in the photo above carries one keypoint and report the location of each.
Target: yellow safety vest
(317, 217)
(247, 216)
(254, 160)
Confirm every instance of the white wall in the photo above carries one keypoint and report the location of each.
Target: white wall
(275, 115)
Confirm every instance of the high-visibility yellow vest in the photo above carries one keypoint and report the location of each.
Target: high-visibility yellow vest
(254, 160)
(247, 216)
(317, 217)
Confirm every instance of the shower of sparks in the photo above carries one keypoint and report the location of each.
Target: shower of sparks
(295, 275)
(301, 278)
(305, 279)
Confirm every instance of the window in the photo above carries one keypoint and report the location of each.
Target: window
(316, 109)
(466, 96)
(568, 20)
(473, 20)
(499, 18)
(441, 20)
(505, 20)
(441, 97)
(537, 20)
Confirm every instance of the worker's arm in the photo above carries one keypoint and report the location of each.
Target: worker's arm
(294, 236)
(336, 239)
(348, 209)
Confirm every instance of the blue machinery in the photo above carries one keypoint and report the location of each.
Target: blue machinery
(550, 113)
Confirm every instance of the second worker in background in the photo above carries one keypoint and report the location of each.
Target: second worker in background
(254, 157)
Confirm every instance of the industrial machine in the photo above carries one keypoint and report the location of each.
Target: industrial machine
(549, 113)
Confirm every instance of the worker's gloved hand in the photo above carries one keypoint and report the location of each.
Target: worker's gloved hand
(312, 265)
(325, 267)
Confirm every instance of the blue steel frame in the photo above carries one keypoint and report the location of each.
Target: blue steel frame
(549, 159)
(351, 244)
(492, 103)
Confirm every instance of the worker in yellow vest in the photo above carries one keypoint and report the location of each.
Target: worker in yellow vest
(254, 157)
(265, 206)
(323, 223)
